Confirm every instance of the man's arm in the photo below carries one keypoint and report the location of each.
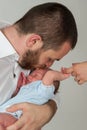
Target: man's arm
(34, 116)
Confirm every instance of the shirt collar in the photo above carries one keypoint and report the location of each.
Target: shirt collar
(6, 48)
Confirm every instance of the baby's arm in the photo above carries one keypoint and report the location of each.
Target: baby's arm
(52, 76)
(6, 120)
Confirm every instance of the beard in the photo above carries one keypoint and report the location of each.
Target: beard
(30, 60)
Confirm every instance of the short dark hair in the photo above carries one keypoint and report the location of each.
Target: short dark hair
(56, 83)
(53, 22)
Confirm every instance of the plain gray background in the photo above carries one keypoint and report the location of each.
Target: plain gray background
(72, 113)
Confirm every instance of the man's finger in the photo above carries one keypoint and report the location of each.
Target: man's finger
(16, 107)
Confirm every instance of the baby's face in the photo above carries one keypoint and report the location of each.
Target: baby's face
(36, 75)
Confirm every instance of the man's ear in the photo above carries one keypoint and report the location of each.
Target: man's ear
(33, 40)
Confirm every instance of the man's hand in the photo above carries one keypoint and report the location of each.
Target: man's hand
(34, 116)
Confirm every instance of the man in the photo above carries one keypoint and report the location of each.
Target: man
(44, 34)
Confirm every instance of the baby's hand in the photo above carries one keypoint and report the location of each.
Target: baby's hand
(67, 70)
(63, 75)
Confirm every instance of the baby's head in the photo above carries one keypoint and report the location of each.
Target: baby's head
(37, 74)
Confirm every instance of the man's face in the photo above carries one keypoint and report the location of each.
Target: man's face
(43, 59)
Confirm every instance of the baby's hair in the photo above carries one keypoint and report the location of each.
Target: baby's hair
(56, 84)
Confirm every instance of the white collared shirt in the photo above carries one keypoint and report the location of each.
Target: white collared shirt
(7, 47)
(9, 69)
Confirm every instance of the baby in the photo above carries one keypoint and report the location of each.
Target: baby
(38, 88)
